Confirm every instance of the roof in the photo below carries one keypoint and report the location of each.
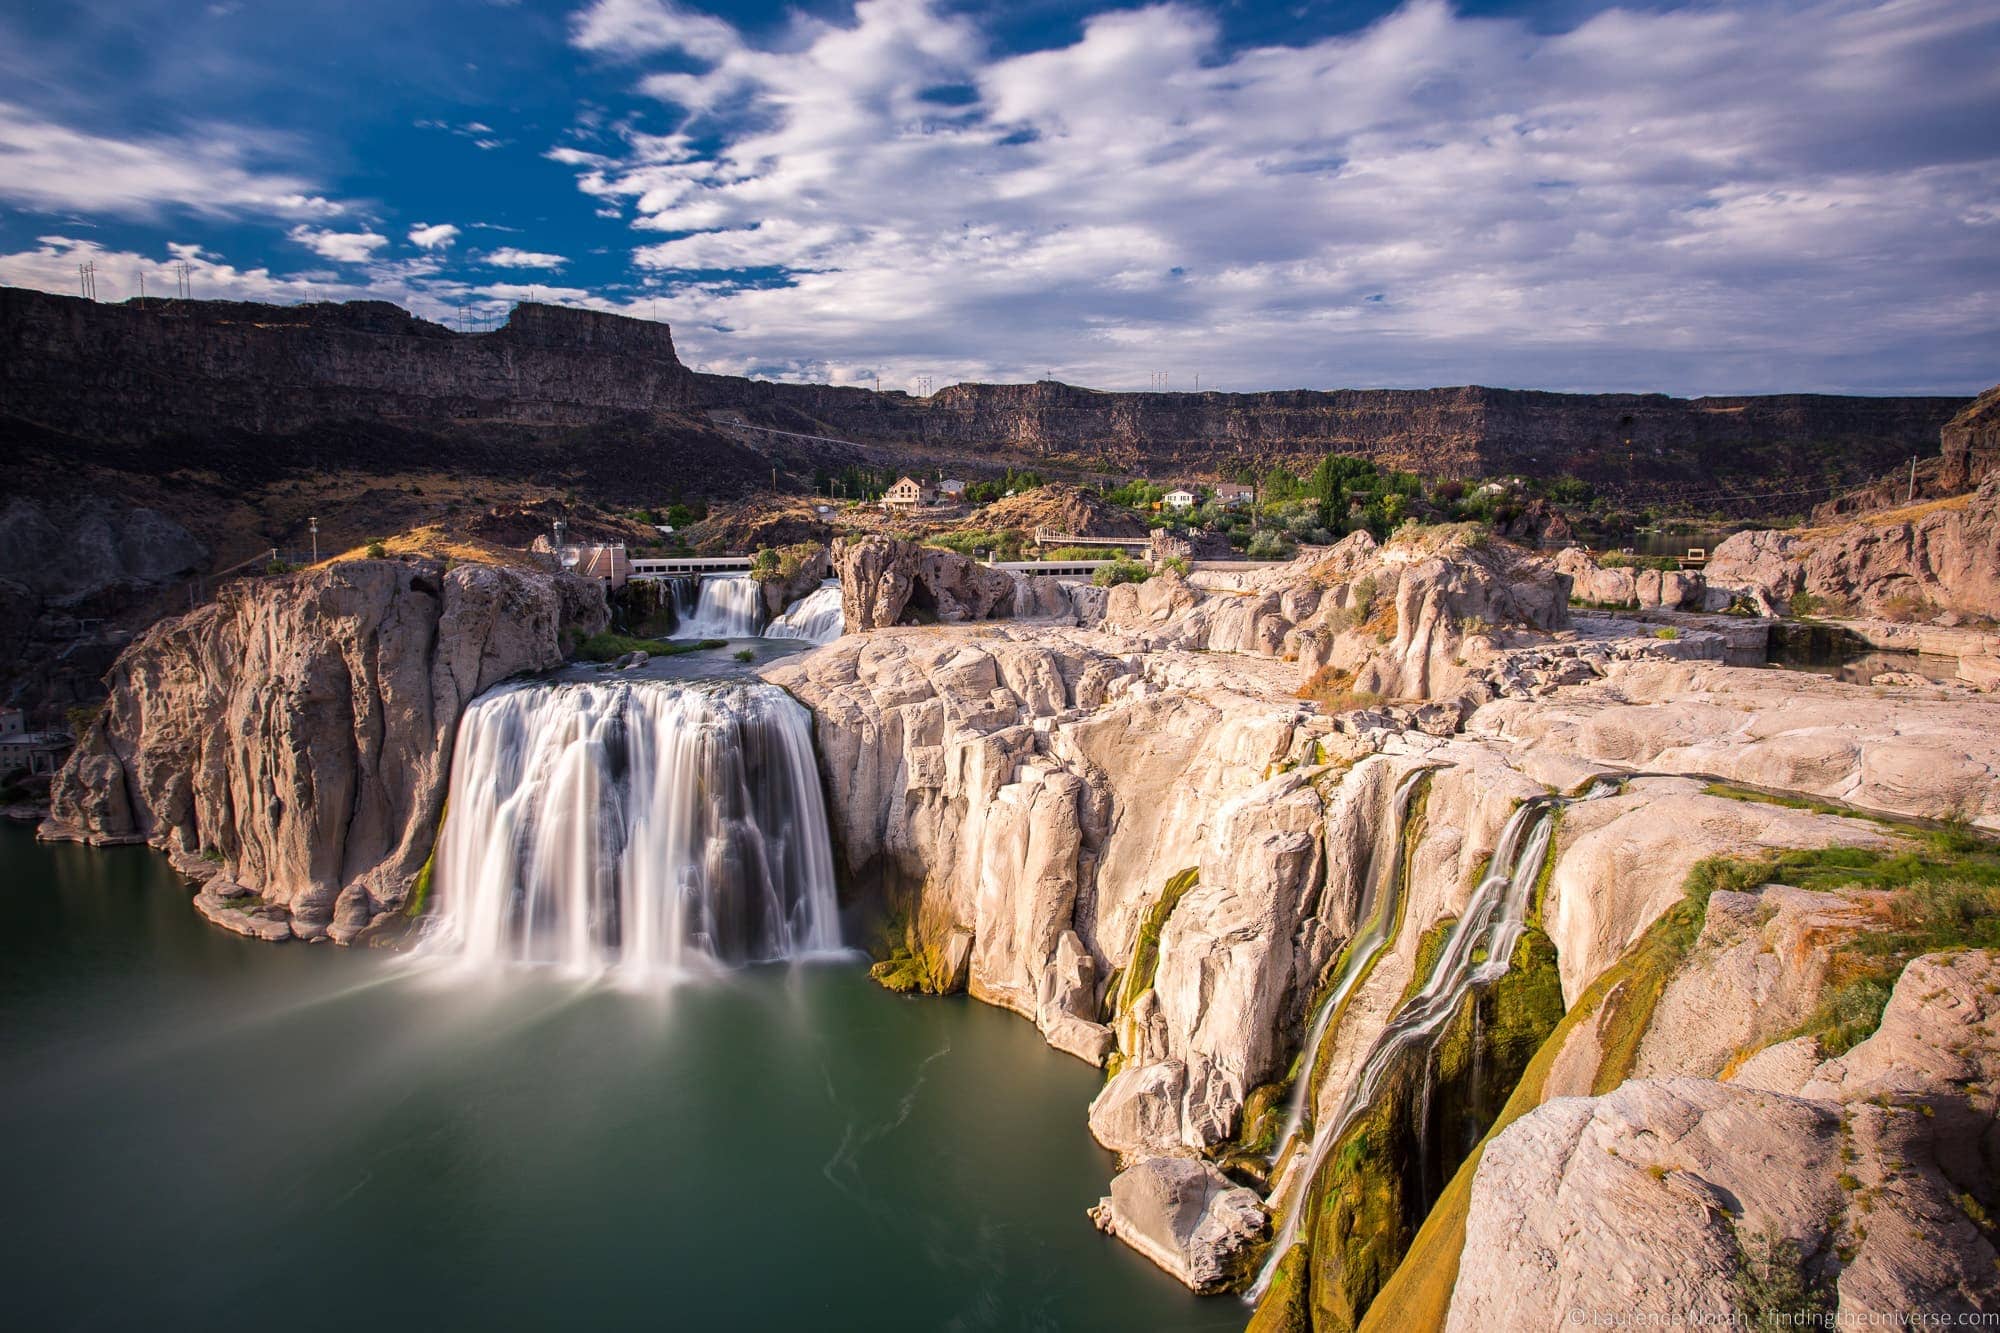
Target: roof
(951, 484)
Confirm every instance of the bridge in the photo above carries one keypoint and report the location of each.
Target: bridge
(1043, 537)
(675, 566)
(1055, 569)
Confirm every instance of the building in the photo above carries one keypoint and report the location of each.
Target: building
(605, 562)
(34, 753)
(12, 722)
(907, 493)
(1180, 499)
(951, 490)
(1230, 495)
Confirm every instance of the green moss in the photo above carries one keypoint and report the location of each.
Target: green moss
(1283, 1309)
(606, 646)
(1146, 949)
(420, 887)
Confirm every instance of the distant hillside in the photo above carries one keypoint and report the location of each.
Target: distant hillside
(602, 403)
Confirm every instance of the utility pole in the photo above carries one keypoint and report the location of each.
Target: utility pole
(313, 525)
(86, 278)
(142, 289)
(1912, 498)
(184, 281)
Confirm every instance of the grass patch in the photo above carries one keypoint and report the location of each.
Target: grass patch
(1333, 690)
(606, 646)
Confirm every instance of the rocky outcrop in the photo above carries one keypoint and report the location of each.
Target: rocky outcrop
(1862, 1197)
(1888, 749)
(1597, 585)
(1185, 1216)
(800, 569)
(888, 582)
(289, 742)
(1969, 444)
(1939, 560)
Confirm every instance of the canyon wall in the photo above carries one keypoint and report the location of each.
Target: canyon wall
(193, 368)
(289, 742)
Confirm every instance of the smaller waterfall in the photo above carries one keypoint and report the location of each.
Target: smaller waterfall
(1480, 950)
(729, 606)
(816, 617)
(1381, 904)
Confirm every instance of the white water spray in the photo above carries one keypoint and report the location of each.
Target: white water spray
(645, 827)
(1479, 952)
(816, 617)
(728, 606)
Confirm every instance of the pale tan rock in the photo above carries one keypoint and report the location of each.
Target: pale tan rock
(1185, 1216)
(296, 731)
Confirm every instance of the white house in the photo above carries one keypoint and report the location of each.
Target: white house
(907, 493)
(1178, 499)
(1229, 495)
(951, 489)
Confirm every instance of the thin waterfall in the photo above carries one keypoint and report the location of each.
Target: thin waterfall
(1381, 905)
(816, 617)
(1479, 952)
(728, 606)
(643, 827)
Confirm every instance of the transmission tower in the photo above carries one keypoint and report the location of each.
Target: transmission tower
(923, 386)
(86, 279)
(184, 281)
(1160, 380)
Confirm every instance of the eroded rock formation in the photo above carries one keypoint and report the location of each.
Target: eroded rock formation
(289, 742)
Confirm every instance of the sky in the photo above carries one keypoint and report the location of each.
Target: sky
(1764, 196)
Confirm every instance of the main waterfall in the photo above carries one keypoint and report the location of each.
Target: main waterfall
(646, 827)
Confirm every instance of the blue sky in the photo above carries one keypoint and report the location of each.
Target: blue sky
(1713, 198)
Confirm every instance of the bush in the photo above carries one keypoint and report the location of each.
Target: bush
(1121, 571)
(1620, 560)
(745, 655)
(377, 551)
(1666, 632)
(1269, 545)
(1806, 605)
(1069, 553)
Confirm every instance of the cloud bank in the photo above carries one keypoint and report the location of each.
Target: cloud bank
(1799, 192)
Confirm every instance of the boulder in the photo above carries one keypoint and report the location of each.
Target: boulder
(1186, 1217)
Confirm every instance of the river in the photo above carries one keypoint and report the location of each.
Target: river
(208, 1132)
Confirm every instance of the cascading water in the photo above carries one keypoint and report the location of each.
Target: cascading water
(1479, 952)
(1381, 904)
(816, 617)
(644, 827)
(728, 606)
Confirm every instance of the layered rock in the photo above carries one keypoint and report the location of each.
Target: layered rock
(289, 742)
(1185, 1216)
(1673, 1201)
(1937, 559)
(884, 582)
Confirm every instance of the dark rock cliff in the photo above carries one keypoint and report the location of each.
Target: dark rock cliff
(605, 398)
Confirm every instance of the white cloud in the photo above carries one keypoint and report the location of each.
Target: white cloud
(433, 236)
(639, 27)
(1782, 193)
(49, 167)
(346, 247)
(508, 257)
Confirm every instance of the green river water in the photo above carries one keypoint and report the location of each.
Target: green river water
(206, 1132)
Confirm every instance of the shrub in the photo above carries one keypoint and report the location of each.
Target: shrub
(1269, 545)
(1805, 605)
(1907, 608)
(1120, 571)
(1620, 560)
(745, 655)
(1069, 553)
(764, 564)
(377, 551)
(1333, 690)
(1666, 632)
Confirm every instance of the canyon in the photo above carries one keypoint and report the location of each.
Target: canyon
(1384, 887)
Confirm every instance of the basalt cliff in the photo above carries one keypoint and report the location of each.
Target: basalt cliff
(603, 401)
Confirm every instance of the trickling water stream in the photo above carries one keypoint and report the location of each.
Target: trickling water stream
(647, 827)
(1381, 905)
(1479, 951)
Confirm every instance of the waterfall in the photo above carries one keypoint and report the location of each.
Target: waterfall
(729, 606)
(1480, 950)
(1381, 905)
(816, 617)
(642, 827)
